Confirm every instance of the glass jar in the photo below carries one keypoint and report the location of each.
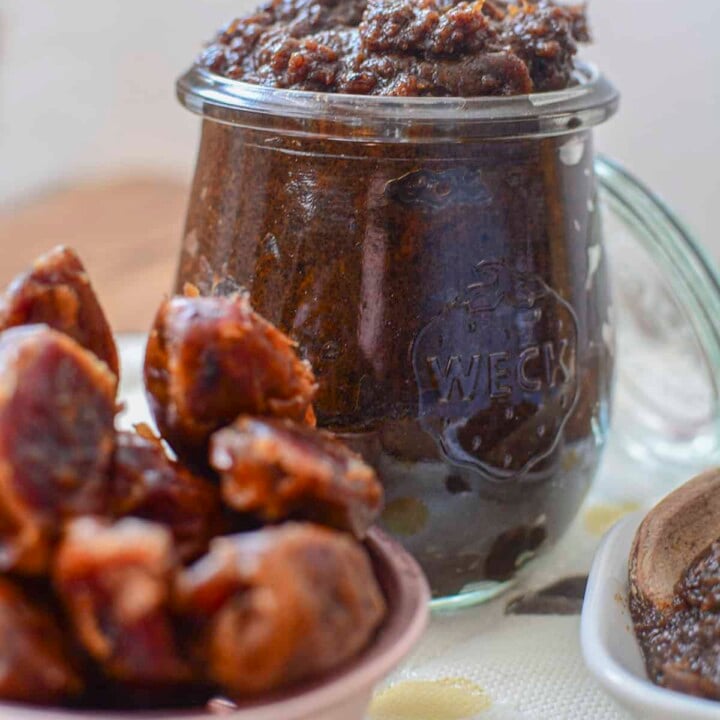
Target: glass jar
(439, 261)
(666, 305)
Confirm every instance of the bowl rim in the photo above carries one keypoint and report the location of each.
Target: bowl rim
(631, 691)
(408, 596)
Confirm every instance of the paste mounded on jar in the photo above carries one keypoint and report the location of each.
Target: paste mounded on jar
(403, 47)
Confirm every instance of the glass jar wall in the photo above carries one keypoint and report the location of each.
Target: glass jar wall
(439, 261)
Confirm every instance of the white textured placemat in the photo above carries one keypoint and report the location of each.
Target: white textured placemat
(529, 665)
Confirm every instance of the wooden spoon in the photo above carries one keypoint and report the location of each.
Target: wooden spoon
(671, 536)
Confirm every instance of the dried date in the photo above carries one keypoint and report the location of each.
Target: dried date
(36, 660)
(147, 484)
(116, 583)
(279, 469)
(277, 606)
(57, 292)
(57, 408)
(211, 359)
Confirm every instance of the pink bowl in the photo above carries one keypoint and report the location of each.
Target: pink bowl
(341, 695)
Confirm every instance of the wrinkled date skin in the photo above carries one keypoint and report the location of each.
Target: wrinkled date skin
(36, 663)
(209, 360)
(280, 469)
(115, 581)
(57, 408)
(273, 607)
(147, 484)
(57, 292)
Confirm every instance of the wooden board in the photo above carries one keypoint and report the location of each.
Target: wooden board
(127, 232)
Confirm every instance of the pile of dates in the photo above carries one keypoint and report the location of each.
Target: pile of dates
(221, 559)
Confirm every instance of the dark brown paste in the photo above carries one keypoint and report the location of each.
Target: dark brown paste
(446, 297)
(403, 47)
(682, 647)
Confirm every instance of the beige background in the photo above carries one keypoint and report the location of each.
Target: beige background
(86, 90)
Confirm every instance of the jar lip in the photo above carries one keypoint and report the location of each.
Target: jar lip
(365, 117)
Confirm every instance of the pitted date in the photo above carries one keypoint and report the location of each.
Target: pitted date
(147, 484)
(116, 583)
(279, 469)
(57, 408)
(36, 661)
(283, 604)
(211, 359)
(57, 292)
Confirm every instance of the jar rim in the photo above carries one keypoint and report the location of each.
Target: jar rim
(386, 118)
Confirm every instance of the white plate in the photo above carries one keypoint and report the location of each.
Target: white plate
(609, 647)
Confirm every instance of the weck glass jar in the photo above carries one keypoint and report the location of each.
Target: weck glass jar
(439, 261)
